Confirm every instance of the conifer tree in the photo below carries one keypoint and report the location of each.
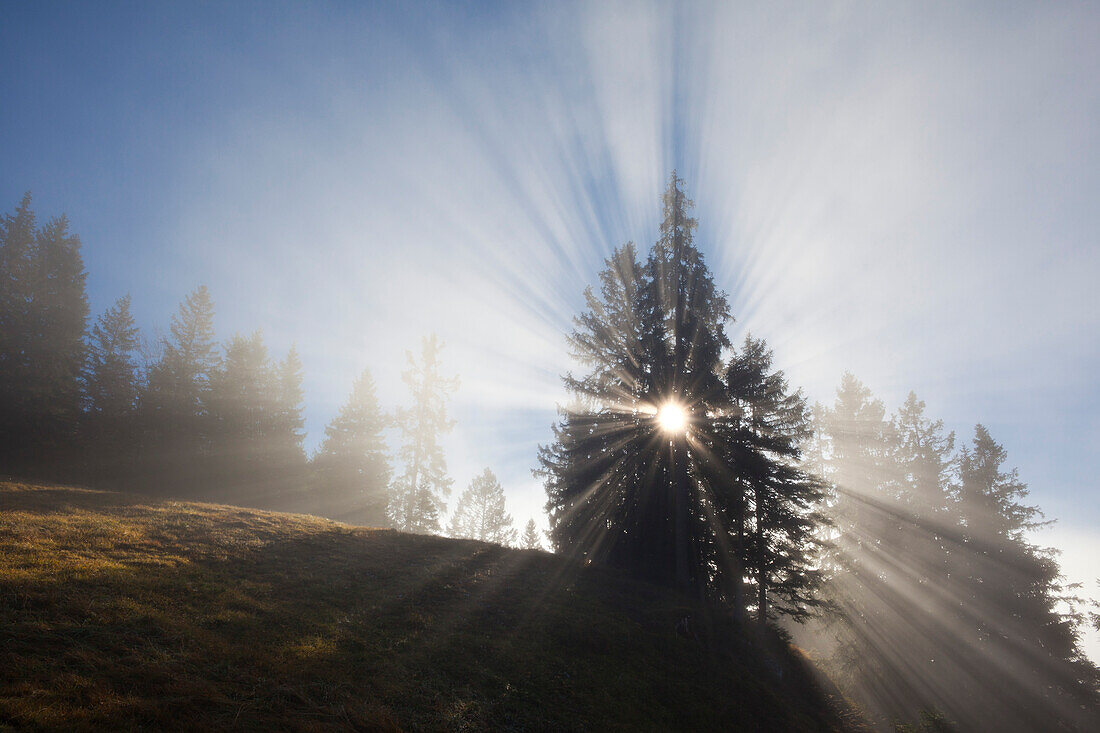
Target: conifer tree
(174, 409)
(530, 539)
(43, 316)
(670, 504)
(286, 458)
(480, 514)
(1010, 592)
(112, 385)
(778, 518)
(240, 406)
(417, 498)
(857, 460)
(941, 603)
(351, 470)
(924, 459)
(652, 336)
(602, 437)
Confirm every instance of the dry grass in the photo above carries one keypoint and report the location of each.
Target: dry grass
(122, 612)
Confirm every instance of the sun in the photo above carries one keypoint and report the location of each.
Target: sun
(672, 418)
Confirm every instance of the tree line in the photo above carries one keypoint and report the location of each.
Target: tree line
(911, 558)
(939, 598)
(186, 417)
(907, 555)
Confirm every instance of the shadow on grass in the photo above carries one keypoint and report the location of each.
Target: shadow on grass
(124, 612)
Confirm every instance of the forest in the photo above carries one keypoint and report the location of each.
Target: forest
(897, 551)
(186, 417)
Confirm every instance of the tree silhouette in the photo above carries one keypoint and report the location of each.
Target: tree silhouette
(43, 316)
(175, 406)
(285, 457)
(480, 514)
(668, 502)
(775, 503)
(351, 470)
(417, 498)
(530, 539)
(239, 408)
(112, 384)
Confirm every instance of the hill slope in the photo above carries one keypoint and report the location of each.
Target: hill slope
(120, 611)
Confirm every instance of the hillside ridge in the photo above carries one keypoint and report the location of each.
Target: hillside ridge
(124, 611)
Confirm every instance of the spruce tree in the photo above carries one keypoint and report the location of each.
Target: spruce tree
(351, 471)
(857, 459)
(620, 489)
(1011, 593)
(778, 517)
(112, 385)
(284, 434)
(240, 406)
(480, 514)
(175, 406)
(530, 539)
(663, 501)
(418, 494)
(43, 316)
(940, 601)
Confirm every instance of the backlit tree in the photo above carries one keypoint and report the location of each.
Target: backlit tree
(419, 492)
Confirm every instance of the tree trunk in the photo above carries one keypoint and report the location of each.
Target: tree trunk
(680, 487)
(739, 560)
(761, 569)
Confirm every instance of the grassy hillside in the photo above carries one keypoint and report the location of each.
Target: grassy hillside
(119, 611)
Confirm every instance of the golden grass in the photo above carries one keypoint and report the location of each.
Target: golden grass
(123, 612)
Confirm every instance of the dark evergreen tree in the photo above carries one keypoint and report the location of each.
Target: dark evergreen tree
(620, 489)
(112, 385)
(17, 336)
(43, 316)
(777, 503)
(417, 498)
(480, 514)
(630, 488)
(603, 439)
(351, 470)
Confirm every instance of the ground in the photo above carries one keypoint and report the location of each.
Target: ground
(121, 612)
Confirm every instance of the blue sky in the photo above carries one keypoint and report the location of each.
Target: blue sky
(909, 192)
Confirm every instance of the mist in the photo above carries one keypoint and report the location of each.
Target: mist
(905, 193)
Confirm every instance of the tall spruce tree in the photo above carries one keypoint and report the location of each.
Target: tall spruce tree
(857, 459)
(175, 406)
(777, 509)
(1010, 594)
(285, 433)
(418, 494)
(240, 407)
(480, 514)
(351, 470)
(889, 577)
(625, 489)
(112, 385)
(43, 316)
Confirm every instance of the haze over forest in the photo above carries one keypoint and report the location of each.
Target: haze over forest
(385, 219)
